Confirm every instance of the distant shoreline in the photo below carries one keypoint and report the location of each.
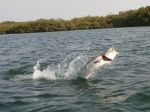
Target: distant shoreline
(77, 30)
(131, 18)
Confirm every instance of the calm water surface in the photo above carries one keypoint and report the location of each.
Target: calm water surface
(123, 86)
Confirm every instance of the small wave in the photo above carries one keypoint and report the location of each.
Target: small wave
(23, 77)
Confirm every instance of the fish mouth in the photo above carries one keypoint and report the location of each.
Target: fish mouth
(110, 54)
(105, 58)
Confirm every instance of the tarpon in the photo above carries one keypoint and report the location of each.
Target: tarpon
(98, 61)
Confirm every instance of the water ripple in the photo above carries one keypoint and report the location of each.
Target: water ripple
(122, 86)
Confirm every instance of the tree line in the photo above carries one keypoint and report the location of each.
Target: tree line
(131, 18)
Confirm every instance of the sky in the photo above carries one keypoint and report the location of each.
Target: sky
(28, 10)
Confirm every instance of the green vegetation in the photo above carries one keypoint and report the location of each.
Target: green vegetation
(131, 18)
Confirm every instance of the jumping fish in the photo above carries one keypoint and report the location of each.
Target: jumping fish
(98, 61)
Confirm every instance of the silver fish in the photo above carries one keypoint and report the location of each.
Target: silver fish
(98, 61)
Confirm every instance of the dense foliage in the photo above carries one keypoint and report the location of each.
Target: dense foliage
(140, 17)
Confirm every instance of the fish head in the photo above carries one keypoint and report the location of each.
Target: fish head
(111, 53)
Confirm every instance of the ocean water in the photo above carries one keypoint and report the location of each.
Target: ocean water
(39, 71)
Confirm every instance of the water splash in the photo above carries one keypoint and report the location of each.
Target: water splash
(66, 70)
(75, 67)
(46, 73)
